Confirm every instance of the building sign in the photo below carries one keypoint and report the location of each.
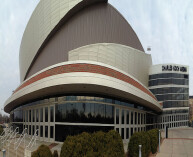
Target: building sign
(173, 68)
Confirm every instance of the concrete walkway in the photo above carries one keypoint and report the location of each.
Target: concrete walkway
(178, 144)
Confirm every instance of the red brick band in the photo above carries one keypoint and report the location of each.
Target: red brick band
(83, 67)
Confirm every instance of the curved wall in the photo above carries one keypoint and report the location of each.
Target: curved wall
(84, 77)
(130, 60)
(98, 23)
(45, 17)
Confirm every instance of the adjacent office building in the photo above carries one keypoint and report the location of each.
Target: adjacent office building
(170, 84)
(191, 109)
(83, 68)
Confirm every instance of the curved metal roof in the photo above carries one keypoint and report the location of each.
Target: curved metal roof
(43, 20)
(49, 17)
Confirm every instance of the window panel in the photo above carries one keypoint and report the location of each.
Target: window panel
(117, 116)
(123, 118)
(127, 116)
(46, 114)
(51, 114)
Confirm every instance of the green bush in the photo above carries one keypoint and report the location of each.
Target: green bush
(154, 139)
(42, 151)
(35, 154)
(76, 145)
(98, 144)
(139, 138)
(114, 144)
(1, 129)
(55, 154)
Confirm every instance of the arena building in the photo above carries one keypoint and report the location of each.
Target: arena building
(82, 68)
(170, 84)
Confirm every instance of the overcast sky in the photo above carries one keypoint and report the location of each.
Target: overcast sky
(165, 25)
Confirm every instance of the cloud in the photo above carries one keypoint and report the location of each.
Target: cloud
(164, 25)
(14, 17)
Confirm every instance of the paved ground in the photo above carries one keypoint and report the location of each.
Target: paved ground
(178, 144)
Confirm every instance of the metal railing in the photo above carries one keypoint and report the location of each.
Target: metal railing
(7, 135)
(5, 132)
(33, 139)
(20, 140)
(12, 135)
(4, 135)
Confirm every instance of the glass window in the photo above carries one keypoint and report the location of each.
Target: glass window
(33, 115)
(46, 114)
(33, 130)
(127, 133)
(51, 114)
(41, 115)
(117, 116)
(135, 117)
(123, 117)
(127, 117)
(30, 116)
(37, 128)
(142, 118)
(186, 76)
(27, 116)
(131, 131)
(37, 115)
(51, 131)
(101, 110)
(84, 112)
(131, 117)
(24, 116)
(41, 131)
(18, 115)
(62, 131)
(46, 131)
(29, 129)
(138, 118)
(109, 114)
(122, 133)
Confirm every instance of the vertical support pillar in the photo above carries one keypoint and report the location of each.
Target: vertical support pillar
(4, 152)
(166, 131)
(140, 150)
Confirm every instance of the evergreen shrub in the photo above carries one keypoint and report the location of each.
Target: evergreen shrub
(98, 144)
(154, 139)
(1, 129)
(55, 154)
(139, 138)
(42, 151)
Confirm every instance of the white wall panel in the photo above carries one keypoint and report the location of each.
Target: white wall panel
(133, 62)
(44, 18)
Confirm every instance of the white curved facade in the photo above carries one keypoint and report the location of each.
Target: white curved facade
(104, 84)
(45, 17)
(114, 86)
(125, 58)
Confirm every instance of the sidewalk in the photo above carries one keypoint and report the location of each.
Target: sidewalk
(178, 144)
